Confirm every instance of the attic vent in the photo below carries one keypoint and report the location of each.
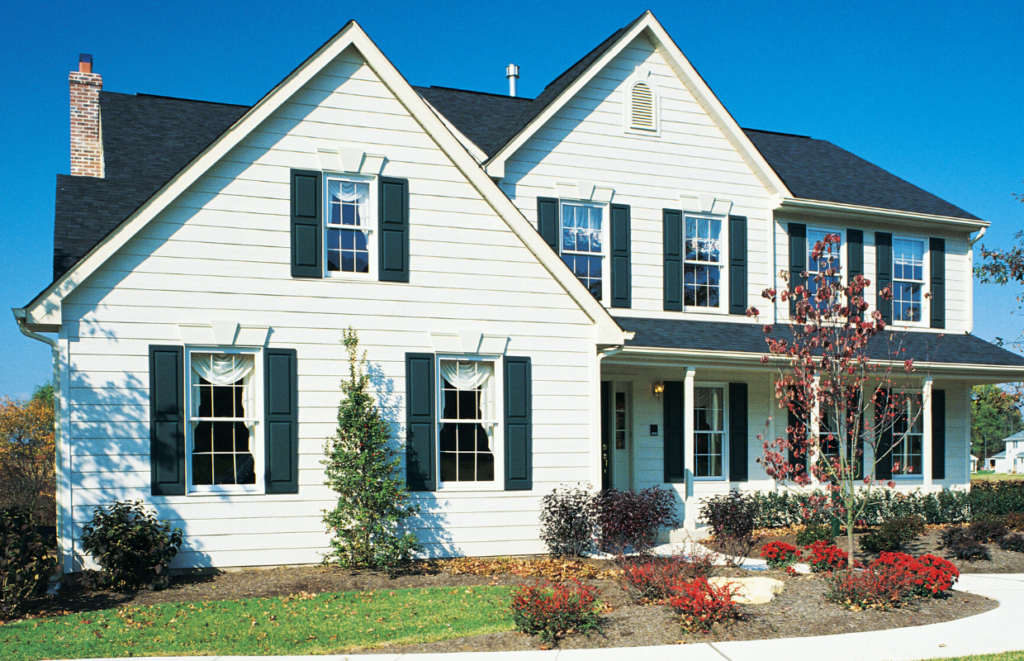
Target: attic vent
(641, 110)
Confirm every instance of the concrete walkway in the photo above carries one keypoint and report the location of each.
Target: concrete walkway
(998, 630)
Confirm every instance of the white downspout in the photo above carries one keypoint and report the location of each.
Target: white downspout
(970, 278)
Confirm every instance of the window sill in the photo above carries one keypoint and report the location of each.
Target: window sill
(479, 487)
(256, 491)
(341, 275)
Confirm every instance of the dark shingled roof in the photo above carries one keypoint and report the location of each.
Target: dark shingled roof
(819, 170)
(482, 117)
(953, 348)
(146, 141)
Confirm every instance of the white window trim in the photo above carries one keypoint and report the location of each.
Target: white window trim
(605, 240)
(371, 228)
(497, 429)
(910, 394)
(725, 431)
(723, 266)
(256, 438)
(641, 76)
(925, 321)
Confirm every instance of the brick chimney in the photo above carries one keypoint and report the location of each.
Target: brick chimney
(86, 133)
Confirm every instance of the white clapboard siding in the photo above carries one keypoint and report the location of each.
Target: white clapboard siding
(586, 141)
(221, 251)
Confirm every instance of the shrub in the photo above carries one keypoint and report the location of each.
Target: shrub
(732, 518)
(892, 534)
(986, 531)
(631, 519)
(779, 554)
(882, 587)
(701, 604)
(814, 532)
(962, 545)
(1014, 542)
(651, 579)
(132, 547)
(551, 611)
(825, 557)
(1014, 521)
(24, 565)
(567, 523)
(929, 576)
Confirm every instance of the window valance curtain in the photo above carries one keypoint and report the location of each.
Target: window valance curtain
(221, 369)
(466, 375)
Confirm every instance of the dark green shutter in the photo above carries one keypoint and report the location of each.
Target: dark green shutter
(281, 378)
(307, 224)
(938, 434)
(547, 220)
(883, 432)
(606, 433)
(797, 260)
(393, 226)
(883, 271)
(675, 414)
(795, 459)
(738, 432)
(672, 238)
(854, 253)
(737, 265)
(420, 423)
(937, 248)
(622, 276)
(167, 420)
(518, 424)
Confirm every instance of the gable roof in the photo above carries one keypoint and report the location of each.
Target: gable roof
(1019, 436)
(819, 170)
(43, 313)
(480, 116)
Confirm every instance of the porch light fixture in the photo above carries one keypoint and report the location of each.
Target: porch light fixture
(659, 388)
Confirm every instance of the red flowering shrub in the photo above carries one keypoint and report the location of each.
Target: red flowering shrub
(882, 586)
(929, 576)
(652, 579)
(825, 557)
(700, 604)
(779, 554)
(553, 610)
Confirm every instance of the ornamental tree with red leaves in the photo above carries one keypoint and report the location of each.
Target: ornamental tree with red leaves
(838, 401)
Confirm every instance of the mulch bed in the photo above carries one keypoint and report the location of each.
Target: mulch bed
(800, 610)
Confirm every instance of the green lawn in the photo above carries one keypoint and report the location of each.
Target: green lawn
(304, 624)
(989, 477)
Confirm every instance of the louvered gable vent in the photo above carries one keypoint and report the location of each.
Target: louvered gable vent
(642, 107)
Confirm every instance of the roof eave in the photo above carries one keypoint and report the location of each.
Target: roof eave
(856, 212)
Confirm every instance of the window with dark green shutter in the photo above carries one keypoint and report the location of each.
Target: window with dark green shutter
(393, 225)
(621, 257)
(547, 220)
(281, 408)
(938, 439)
(738, 459)
(674, 416)
(883, 274)
(737, 265)
(167, 420)
(518, 424)
(420, 422)
(855, 253)
(306, 224)
(883, 446)
(797, 260)
(937, 250)
(672, 240)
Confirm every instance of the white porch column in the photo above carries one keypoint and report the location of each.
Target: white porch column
(926, 442)
(688, 434)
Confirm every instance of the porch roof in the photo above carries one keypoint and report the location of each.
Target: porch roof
(745, 337)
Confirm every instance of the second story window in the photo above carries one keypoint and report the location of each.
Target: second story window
(702, 262)
(347, 226)
(907, 279)
(582, 238)
(828, 260)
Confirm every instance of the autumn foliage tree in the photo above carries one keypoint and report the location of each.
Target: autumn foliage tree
(27, 455)
(838, 400)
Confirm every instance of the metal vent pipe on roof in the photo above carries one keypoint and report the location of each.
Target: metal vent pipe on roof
(512, 73)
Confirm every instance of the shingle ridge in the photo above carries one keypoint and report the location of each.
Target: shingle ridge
(179, 98)
(788, 135)
(464, 91)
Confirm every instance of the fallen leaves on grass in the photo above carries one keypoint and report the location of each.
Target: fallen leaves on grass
(553, 569)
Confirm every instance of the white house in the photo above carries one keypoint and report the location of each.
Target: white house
(550, 291)
(1010, 460)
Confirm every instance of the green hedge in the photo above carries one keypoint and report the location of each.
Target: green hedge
(786, 508)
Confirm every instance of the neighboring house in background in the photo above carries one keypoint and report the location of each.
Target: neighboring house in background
(549, 291)
(1010, 460)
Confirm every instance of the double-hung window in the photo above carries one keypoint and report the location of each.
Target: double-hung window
(224, 444)
(907, 279)
(348, 226)
(828, 266)
(582, 243)
(709, 432)
(467, 422)
(908, 437)
(703, 262)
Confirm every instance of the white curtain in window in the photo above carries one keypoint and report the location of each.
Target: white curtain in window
(711, 400)
(350, 192)
(222, 369)
(467, 375)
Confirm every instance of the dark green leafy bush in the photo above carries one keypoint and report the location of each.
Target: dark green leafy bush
(1014, 542)
(630, 520)
(997, 498)
(988, 531)
(962, 545)
(732, 518)
(814, 532)
(567, 523)
(892, 534)
(24, 564)
(132, 547)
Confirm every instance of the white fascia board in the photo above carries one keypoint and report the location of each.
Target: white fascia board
(687, 75)
(45, 308)
(856, 212)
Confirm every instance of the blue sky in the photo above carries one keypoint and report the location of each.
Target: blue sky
(928, 90)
